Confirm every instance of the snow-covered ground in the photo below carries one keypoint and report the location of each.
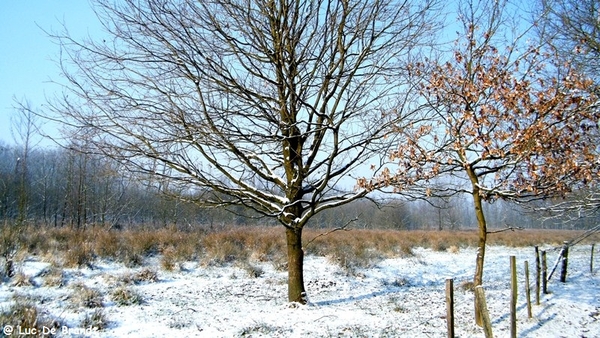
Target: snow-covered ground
(400, 297)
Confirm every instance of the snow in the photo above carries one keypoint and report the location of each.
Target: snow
(399, 297)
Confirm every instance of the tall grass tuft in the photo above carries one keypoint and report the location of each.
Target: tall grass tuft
(24, 313)
(125, 296)
(83, 296)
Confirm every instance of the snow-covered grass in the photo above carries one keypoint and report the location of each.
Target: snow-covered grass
(245, 295)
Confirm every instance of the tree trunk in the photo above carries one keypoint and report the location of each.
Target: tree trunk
(482, 225)
(296, 292)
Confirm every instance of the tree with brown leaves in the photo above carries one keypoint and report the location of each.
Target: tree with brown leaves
(572, 29)
(504, 120)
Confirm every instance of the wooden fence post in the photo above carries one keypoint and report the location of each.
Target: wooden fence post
(544, 273)
(538, 272)
(565, 259)
(450, 306)
(513, 298)
(592, 261)
(485, 315)
(528, 290)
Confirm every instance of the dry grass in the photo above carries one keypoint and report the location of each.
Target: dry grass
(86, 297)
(225, 247)
(54, 276)
(20, 280)
(106, 243)
(10, 243)
(79, 255)
(145, 275)
(124, 296)
(24, 313)
(453, 249)
(251, 270)
(169, 258)
(94, 321)
(350, 249)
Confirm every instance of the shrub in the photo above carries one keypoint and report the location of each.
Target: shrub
(20, 279)
(221, 248)
(95, 321)
(124, 296)
(9, 246)
(53, 276)
(252, 271)
(130, 258)
(83, 296)
(169, 258)
(453, 249)
(146, 275)
(79, 255)
(106, 243)
(25, 314)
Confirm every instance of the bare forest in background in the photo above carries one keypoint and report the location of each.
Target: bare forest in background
(65, 188)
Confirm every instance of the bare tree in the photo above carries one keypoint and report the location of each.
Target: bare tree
(25, 129)
(580, 208)
(506, 121)
(572, 28)
(7, 181)
(271, 104)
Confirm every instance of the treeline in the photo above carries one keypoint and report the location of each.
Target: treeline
(453, 214)
(63, 187)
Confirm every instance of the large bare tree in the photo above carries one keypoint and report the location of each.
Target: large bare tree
(270, 104)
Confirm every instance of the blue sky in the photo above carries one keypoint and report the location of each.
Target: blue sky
(28, 56)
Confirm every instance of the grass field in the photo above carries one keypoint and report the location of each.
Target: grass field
(149, 282)
(68, 247)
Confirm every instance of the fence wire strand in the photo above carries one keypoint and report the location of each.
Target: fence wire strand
(585, 235)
